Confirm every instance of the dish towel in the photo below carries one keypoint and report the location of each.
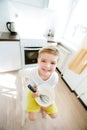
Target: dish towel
(79, 62)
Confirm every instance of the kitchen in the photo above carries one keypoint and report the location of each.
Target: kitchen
(63, 30)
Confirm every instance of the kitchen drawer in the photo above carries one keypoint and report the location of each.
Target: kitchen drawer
(10, 56)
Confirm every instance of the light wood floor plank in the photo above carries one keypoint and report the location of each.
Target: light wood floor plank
(71, 113)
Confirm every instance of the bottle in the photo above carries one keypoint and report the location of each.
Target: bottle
(49, 33)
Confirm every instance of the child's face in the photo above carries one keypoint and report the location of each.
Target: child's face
(47, 64)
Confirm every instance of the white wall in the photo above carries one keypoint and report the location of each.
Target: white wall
(4, 14)
(64, 10)
(29, 20)
(34, 21)
(34, 3)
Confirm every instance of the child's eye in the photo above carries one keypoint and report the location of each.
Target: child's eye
(53, 63)
(43, 61)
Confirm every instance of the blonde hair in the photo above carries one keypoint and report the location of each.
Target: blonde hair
(49, 49)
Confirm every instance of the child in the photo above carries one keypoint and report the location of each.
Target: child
(43, 73)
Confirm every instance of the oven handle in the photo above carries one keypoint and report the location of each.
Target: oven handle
(32, 48)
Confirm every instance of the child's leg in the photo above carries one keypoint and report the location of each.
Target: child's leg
(52, 110)
(43, 112)
(32, 116)
(53, 115)
(32, 107)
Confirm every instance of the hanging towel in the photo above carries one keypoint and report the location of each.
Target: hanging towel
(79, 62)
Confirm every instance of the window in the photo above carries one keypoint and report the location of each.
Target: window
(77, 26)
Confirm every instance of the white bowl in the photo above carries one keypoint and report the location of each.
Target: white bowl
(48, 94)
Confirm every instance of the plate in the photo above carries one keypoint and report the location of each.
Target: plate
(48, 94)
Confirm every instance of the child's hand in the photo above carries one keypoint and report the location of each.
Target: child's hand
(36, 94)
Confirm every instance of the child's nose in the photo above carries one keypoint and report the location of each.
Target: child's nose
(48, 65)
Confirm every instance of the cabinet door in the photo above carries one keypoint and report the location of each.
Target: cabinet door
(10, 55)
(82, 86)
(81, 90)
(64, 55)
(83, 97)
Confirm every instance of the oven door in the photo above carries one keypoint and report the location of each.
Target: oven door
(30, 55)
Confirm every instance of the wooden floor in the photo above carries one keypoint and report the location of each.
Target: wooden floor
(71, 113)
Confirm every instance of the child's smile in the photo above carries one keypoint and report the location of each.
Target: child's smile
(47, 64)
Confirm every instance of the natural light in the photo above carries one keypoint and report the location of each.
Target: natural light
(71, 24)
(8, 85)
(77, 26)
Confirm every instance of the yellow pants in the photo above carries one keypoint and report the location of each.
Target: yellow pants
(33, 106)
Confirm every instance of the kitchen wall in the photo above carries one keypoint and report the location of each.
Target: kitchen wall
(34, 20)
(4, 14)
(60, 18)
(29, 20)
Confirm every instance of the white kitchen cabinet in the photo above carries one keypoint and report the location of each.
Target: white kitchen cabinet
(83, 97)
(10, 56)
(73, 79)
(81, 90)
(64, 54)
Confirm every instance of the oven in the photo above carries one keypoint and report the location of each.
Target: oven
(30, 55)
(29, 51)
